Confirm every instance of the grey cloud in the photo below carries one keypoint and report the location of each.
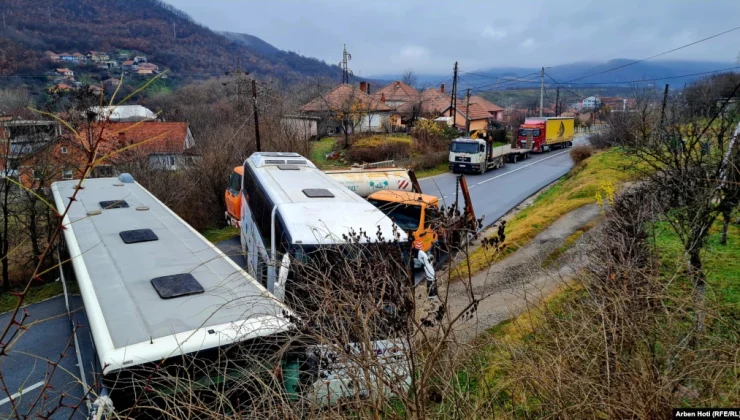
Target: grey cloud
(429, 36)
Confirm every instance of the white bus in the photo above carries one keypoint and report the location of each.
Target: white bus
(290, 208)
(153, 292)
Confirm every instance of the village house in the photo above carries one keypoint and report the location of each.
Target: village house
(144, 72)
(496, 111)
(350, 103)
(429, 104)
(52, 56)
(113, 82)
(96, 89)
(60, 87)
(129, 65)
(159, 145)
(139, 59)
(396, 94)
(149, 66)
(302, 127)
(79, 58)
(65, 72)
(124, 113)
(67, 57)
(474, 113)
(97, 56)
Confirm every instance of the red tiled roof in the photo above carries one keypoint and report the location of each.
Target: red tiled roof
(397, 91)
(343, 96)
(432, 102)
(63, 70)
(77, 55)
(152, 137)
(488, 106)
(128, 62)
(476, 111)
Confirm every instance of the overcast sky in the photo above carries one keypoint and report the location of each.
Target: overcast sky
(386, 37)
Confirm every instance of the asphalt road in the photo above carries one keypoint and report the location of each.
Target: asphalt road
(27, 368)
(500, 190)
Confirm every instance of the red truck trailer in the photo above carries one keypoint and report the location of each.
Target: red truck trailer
(547, 133)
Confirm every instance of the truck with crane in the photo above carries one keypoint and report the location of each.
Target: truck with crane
(477, 155)
(546, 133)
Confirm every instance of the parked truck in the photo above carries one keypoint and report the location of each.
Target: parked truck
(480, 155)
(545, 134)
(397, 193)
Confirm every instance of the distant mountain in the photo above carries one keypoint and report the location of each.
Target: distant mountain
(252, 42)
(166, 35)
(668, 71)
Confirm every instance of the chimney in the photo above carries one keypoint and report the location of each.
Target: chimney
(442, 88)
(368, 88)
(363, 86)
(398, 84)
(382, 97)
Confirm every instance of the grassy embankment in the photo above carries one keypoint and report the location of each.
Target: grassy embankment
(488, 378)
(602, 171)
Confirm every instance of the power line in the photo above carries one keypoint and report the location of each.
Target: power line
(656, 55)
(655, 79)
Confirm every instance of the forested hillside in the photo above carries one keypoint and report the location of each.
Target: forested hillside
(166, 35)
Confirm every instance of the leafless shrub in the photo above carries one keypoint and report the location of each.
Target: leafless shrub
(618, 346)
(580, 153)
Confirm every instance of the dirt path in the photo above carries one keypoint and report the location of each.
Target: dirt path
(509, 286)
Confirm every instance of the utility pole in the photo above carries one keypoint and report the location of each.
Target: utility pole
(174, 31)
(256, 118)
(557, 102)
(241, 99)
(453, 96)
(662, 110)
(542, 91)
(346, 57)
(467, 112)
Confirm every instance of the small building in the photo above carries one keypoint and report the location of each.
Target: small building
(97, 56)
(60, 87)
(496, 111)
(124, 113)
(65, 72)
(67, 57)
(149, 66)
(303, 127)
(52, 56)
(144, 72)
(591, 103)
(396, 94)
(348, 103)
(129, 65)
(96, 89)
(79, 58)
(139, 59)
(478, 116)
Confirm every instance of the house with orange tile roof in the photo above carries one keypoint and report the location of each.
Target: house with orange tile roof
(396, 94)
(159, 145)
(496, 111)
(478, 116)
(367, 114)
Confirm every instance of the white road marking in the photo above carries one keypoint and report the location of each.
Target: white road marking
(521, 167)
(19, 393)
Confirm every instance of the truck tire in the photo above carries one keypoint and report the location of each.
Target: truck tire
(514, 158)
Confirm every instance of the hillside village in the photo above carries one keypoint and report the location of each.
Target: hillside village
(108, 68)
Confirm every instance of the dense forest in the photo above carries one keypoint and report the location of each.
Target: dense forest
(168, 36)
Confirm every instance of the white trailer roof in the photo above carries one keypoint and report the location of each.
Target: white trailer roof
(130, 322)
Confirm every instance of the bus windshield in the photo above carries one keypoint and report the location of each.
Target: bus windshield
(405, 216)
(526, 132)
(463, 147)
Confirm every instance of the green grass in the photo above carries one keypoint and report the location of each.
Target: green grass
(35, 294)
(439, 169)
(720, 262)
(216, 235)
(319, 150)
(596, 175)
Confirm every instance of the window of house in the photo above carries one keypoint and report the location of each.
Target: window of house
(67, 174)
(103, 171)
(64, 150)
